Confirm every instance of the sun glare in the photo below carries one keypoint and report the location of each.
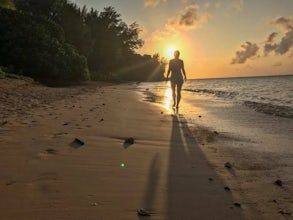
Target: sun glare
(169, 52)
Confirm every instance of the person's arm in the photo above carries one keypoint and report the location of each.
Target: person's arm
(183, 71)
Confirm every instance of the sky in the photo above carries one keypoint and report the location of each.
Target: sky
(216, 38)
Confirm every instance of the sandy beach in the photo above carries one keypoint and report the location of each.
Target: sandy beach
(45, 174)
(258, 147)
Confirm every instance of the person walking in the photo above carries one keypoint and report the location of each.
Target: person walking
(176, 68)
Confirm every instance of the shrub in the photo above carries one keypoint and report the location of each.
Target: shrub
(35, 47)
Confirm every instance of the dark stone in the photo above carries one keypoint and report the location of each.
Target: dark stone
(211, 179)
(4, 123)
(101, 119)
(10, 183)
(228, 165)
(227, 188)
(76, 143)
(51, 151)
(103, 104)
(143, 212)
(129, 140)
(279, 182)
(285, 212)
(237, 204)
(65, 124)
(199, 116)
(215, 132)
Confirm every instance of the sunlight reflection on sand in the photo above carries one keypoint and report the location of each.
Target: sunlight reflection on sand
(168, 97)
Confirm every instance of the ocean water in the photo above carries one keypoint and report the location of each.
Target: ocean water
(259, 109)
(270, 94)
(246, 121)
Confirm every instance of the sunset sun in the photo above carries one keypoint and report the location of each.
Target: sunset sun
(169, 52)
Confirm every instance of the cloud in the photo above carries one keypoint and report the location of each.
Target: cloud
(249, 50)
(271, 37)
(152, 3)
(286, 42)
(185, 20)
(283, 23)
(188, 18)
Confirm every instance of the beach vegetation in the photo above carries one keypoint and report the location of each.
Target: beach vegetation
(57, 42)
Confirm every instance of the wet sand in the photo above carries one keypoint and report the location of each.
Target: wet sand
(258, 147)
(46, 173)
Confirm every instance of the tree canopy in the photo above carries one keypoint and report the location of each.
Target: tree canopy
(56, 40)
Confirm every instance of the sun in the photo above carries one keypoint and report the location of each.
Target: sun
(170, 52)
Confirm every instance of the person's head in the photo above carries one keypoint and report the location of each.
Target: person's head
(176, 53)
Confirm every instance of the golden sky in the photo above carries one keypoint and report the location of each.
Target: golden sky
(216, 38)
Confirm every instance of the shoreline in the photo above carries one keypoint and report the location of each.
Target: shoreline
(164, 171)
(257, 145)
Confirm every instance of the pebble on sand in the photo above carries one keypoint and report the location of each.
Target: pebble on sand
(279, 182)
(4, 122)
(51, 151)
(76, 143)
(129, 140)
(228, 165)
(143, 212)
(285, 212)
(237, 204)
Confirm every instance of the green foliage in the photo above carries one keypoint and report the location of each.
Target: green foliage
(5, 74)
(101, 36)
(35, 47)
(7, 4)
(46, 8)
(55, 41)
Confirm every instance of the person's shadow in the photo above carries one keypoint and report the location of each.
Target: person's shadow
(190, 193)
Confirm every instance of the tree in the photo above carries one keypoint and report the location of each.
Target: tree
(43, 55)
(7, 4)
(47, 8)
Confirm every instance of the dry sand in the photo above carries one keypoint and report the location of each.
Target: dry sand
(44, 175)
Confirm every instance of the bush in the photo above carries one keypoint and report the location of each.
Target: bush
(35, 47)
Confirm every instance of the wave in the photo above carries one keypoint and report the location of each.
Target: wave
(277, 110)
(267, 108)
(219, 93)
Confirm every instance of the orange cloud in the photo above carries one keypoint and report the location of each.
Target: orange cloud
(152, 3)
(185, 20)
(189, 18)
(286, 43)
(248, 50)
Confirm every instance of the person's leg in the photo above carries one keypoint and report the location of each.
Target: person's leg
(179, 87)
(173, 86)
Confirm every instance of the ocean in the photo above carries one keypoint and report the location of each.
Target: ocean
(245, 121)
(259, 109)
(268, 94)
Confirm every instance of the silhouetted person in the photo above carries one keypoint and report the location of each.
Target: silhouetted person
(176, 68)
